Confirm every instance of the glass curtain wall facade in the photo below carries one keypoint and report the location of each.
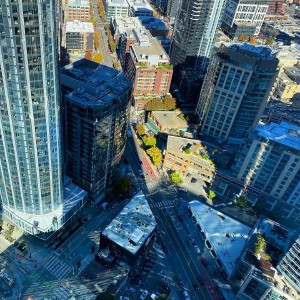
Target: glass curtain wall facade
(195, 31)
(30, 145)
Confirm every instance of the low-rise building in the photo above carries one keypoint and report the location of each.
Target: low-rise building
(130, 235)
(77, 10)
(168, 122)
(255, 276)
(79, 37)
(189, 158)
(156, 26)
(224, 237)
(287, 86)
(147, 64)
(139, 8)
(116, 8)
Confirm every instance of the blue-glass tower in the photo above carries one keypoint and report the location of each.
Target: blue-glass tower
(31, 181)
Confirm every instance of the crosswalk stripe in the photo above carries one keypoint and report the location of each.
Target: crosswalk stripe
(49, 261)
(53, 265)
(64, 272)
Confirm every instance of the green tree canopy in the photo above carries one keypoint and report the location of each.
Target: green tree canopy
(155, 155)
(241, 201)
(149, 141)
(211, 194)
(166, 103)
(140, 129)
(259, 244)
(176, 178)
(123, 185)
(162, 297)
(269, 40)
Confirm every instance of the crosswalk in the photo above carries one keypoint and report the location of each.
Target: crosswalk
(150, 185)
(164, 204)
(57, 267)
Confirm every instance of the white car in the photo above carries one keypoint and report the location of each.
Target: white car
(197, 249)
(144, 295)
(124, 298)
(130, 289)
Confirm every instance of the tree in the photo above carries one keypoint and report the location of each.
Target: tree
(102, 15)
(176, 178)
(269, 40)
(149, 141)
(112, 45)
(89, 54)
(211, 194)
(123, 185)
(241, 202)
(155, 155)
(243, 38)
(96, 39)
(187, 151)
(252, 40)
(98, 58)
(259, 244)
(105, 296)
(116, 65)
(162, 297)
(140, 129)
(161, 104)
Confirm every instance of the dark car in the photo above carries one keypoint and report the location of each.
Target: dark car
(193, 180)
(204, 262)
(200, 280)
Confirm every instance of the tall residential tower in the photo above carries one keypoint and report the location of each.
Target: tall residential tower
(31, 179)
(195, 31)
(235, 90)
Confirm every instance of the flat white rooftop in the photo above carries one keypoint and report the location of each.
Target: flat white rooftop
(226, 235)
(78, 26)
(133, 225)
(283, 133)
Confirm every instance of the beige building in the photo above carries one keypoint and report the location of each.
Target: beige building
(189, 158)
(287, 84)
(77, 10)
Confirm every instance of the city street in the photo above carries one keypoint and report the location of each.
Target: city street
(108, 58)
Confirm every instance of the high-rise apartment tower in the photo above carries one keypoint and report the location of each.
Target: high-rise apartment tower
(31, 179)
(235, 90)
(195, 31)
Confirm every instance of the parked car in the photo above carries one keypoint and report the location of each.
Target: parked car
(130, 289)
(197, 249)
(204, 262)
(182, 190)
(124, 298)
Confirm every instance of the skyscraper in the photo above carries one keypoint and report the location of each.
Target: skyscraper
(31, 186)
(235, 90)
(195, 32)
(96, 117)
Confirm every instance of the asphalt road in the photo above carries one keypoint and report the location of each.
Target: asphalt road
(108, 58)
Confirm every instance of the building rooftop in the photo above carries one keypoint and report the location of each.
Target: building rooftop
(148, 49)
(250, 50)
(140, 5)
(169, 119)
(293, 73)
(179, 144)
(78, 3)
(283, 133)
(152, 22)
(133, 225)
(78, 26)
(226, 235)
(119, 3)
(93, 84)
(123, 24)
